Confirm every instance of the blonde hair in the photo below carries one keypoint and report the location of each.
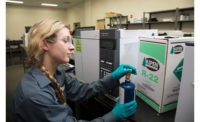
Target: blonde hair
(43, 30)
(55, 84)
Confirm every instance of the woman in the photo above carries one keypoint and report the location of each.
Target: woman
(41, 95)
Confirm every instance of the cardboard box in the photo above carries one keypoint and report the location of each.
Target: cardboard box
(112, 14)
(160, 70)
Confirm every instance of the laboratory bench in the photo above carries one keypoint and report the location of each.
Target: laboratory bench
(99, 106)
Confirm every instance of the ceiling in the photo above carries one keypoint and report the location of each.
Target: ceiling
(61, 3)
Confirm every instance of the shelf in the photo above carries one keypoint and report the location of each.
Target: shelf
(164, 11)
(177, 23)
(186, 21)
(136, 23)
(149, 23)
(186, 9)
(171, 10)
(117, 25)
(117, 16)
(177, 12)
(160, 22)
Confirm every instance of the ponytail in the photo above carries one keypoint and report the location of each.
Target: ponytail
(56, 85)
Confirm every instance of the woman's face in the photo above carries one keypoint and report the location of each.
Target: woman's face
(61, 50)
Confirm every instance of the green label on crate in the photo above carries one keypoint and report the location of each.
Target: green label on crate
(178, 70)
(172, 50)
(150, 76)
(154, 50)
(78, 45)
(144, 62)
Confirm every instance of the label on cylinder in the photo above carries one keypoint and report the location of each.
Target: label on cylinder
(121, 95)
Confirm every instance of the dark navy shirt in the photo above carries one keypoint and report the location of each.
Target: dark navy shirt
(35, 99)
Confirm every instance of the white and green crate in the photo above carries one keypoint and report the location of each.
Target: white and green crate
(159, 71)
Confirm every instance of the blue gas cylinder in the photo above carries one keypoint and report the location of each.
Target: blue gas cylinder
(126, 90)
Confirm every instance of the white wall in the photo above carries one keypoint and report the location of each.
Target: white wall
(85, 12)
(75, 14)
(17, 17)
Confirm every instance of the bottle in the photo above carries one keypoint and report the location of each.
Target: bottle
(182, 17)
(127, 90)
(131, 18)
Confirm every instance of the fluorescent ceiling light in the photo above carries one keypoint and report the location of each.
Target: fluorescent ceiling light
(47, 4)
(12, 1)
